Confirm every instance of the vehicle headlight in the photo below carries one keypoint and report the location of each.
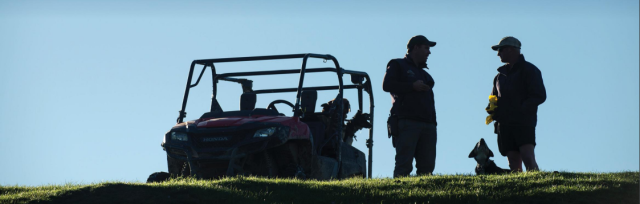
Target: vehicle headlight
(265, 132)
(179, 136)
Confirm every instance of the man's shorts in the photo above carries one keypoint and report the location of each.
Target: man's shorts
(511, 137)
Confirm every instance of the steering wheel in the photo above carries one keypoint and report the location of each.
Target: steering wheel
(273, 103)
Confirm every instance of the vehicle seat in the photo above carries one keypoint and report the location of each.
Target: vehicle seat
(308, 101)
(248, 101)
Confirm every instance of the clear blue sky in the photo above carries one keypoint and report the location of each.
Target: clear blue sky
(88, 89)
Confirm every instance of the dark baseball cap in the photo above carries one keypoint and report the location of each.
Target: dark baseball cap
(419, 40)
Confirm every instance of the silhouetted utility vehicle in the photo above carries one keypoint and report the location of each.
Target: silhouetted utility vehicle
(263, 141)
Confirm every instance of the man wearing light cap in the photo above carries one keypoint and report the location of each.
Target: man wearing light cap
(413, 113)
(519, 88)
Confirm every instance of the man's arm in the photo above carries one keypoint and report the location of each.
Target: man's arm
(537, 93)
(391, 82)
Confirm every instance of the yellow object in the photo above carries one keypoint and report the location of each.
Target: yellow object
(493, 104)
(493, 99)
(489, 119)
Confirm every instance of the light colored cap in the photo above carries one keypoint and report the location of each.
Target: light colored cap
(507, 41)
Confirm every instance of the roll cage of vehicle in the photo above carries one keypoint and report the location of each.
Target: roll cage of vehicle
(357, 78)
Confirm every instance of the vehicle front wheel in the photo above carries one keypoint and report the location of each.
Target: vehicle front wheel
(158, 177)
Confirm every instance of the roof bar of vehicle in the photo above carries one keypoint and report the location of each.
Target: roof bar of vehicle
(199, 77)
(182, 113)
(317, 88)
(351, 72)
(296, 105)
(369, 141)
(287, 71)
(256, 58)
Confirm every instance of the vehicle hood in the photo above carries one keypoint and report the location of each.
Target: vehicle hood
(297, 129)
(240, 120)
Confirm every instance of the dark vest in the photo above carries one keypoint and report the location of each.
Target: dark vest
(414, 105)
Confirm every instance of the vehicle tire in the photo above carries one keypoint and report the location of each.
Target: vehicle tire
(158, 177)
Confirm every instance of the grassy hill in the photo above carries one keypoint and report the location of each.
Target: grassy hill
(536, 187)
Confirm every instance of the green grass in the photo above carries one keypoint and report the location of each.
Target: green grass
(536, 187)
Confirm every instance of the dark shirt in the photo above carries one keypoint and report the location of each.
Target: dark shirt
(520, 90)
(407, 102)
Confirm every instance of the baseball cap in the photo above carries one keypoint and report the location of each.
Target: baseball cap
(419, 40)
(507, 41)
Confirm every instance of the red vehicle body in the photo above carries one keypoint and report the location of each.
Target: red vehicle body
(298, 129)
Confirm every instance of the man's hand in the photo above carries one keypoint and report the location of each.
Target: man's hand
(496, 113)
(420, 86)
(489, 111)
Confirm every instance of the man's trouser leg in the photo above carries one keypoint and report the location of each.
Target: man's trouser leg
(426, 149)
(408, 134)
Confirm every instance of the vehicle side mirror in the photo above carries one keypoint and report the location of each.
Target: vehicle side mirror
(355, 79)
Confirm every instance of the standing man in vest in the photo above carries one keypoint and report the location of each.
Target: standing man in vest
(411, 89)
(520, 90)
